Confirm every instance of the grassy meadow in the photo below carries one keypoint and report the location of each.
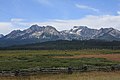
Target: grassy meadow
(24, 59)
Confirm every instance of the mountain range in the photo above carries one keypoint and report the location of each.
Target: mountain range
(36, 34)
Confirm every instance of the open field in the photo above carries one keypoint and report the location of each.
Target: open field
(24, 59)
(74, 76)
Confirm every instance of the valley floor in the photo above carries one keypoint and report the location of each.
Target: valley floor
(25, 60)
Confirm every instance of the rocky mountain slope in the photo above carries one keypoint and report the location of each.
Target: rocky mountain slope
(1, 35)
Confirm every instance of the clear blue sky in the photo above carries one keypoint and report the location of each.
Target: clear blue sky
(41, 10)
(46, 10)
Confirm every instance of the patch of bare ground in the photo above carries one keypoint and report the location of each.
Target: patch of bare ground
(114, 57)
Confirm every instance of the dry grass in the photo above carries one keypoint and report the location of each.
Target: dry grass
(114, 57)
(74, 76)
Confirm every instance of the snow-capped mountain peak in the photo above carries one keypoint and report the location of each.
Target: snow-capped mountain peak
(34, 31)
